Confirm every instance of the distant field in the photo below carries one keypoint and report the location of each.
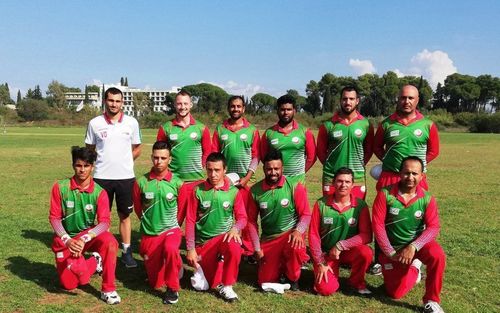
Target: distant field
(465, 180)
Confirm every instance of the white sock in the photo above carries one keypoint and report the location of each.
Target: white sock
(125, 247)
(416, 263)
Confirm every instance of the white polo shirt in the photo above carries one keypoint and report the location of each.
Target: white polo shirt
(113, 145)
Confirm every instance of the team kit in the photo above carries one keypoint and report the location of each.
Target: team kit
(202, 187)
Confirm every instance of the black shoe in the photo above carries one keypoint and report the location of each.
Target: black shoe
(170, 296)
(294, 285)
(251, 260)
(128, 259)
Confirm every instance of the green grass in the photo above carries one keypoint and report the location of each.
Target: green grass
(464, 179)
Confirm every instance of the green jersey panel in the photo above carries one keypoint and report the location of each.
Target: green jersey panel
(236, 148)
(292, 147)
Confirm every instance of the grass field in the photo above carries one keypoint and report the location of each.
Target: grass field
(464, 179)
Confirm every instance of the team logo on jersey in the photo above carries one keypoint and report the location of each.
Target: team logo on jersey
(328, 220)
(89, 207)
(295, 140)
(170, 196)
(394, 133)
(206, 204)
(363, 189)
(149, 195)
(418, 214)
(104, 134)
(243, 137)
(352, 221)
(284, 202)
(337, 133)
(226, 204)
(263, 205)
(224, 137)
(173, 136)
(70, 204)
(274, 141)
(394, 211)
(193, 135)
(358, 132)
(417, 132)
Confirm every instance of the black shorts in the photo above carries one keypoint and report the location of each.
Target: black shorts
(121, 189)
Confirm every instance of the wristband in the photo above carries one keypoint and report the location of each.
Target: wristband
(86, 238)
(65, 238)
(414, 246)
(339, 246)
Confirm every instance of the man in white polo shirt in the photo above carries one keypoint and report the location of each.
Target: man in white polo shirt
(117, 140)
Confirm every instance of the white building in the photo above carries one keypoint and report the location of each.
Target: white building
(73, 99)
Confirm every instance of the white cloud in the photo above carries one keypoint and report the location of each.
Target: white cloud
(435, 66)
(234, 88)
(361, 67)
(398, 73)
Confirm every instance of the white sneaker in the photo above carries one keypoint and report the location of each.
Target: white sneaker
(432, 307)
(98, 258)
(364, 292)
(275, 287)
(228, 293)
(111, 297)
(198, 280)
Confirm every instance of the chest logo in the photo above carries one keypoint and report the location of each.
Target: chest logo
(358, 133)
(193, 135)
(173, 137)
(206, 204)
(70, 204)
(89, 207)
(295, 140)
(284, 202)
(104, 134)
(337, 133)
(243, 137)
(263, 205)
(394, 133)
(328, 220)
(418, 214)
(274, 141)
(224, 137)
(170, 196)
(352, 221)
(226, 204)
(394, 211)
(418, 132)
(149, 195)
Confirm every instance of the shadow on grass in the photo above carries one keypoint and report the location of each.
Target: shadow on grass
(44, 237)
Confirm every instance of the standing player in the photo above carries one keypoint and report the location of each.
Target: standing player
(406, 224)
(156, 199)
(117, 139)
(345, 141)
(294, 141)
(238, 141)
(284, 217)
(404, 133)
(340, 232)
(215, 217)
(75, 203)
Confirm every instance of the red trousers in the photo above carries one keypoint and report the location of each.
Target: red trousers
(220, 261)
(359, 259)
(399, 279)
(162, 258)
(280, 258)
(80, 270)
(357, 191)
(390, 178)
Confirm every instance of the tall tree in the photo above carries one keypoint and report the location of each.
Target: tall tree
(122, 81)
(19, 97)
(313, 104)
(262, 102)
(207, 97)
(5, 94)
(37, 93)
(143, 105)
(126, 82)
(300, 101)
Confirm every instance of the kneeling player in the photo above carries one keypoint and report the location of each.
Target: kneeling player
(75, 204)
(339, 233)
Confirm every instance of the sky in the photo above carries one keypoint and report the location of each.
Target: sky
(244, 47)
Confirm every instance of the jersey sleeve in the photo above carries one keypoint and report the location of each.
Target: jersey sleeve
(206, 145)
(310, 150)
(136, 133)
(432, 144)
(431, 220)
(161, 135)
(378, 143)
(302, 208)
(368, 144)
(314, 236)
(55, 213)
(240, 213)
(255, 152)
(215, 142)
(253, 228)
(191, 212)
(90, 135)
(264, 148)
(136, 198)
(103, 214)
(322, 147)
(365, 232)
(379, 213)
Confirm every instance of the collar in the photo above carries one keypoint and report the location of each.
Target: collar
(330, 202)
(279, 184)
(395, 117)
(109, 121)
(192, 121)
(395, 192)
(277, 127)
(233, 127)
(74, 185)
(225, 187)
(337, 119)
(167, 177)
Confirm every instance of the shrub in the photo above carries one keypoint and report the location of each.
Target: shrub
(465, 118)
(486, 123)
(441, 118)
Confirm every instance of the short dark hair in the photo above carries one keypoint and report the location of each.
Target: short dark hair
(216, 157)
(83, 153)
(349, 88)
(273, 155)
(412, 158)
(113, 91)
(344, 171)
(162, 145)
(183, 93)
(284, 100)
(232, 98)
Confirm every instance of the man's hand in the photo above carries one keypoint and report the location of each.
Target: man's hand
(233, 233)
(406, 254)
(334, 253)
(192, 258)
(75, 246)
(323, 273)
(244, 180)
(259, 255)
(296, 239)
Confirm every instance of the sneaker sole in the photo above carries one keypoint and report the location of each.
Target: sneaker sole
(170, 301)
(128, 266)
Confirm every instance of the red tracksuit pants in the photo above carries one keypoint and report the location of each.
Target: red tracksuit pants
(359, 259)
(162, 258)
(280, 258)
(220, 261)
(74, 272)
(399, 279)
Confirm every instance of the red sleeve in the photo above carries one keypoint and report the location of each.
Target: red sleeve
(253, 228)
(55, 212)
(240, 213)
(378, 143)
(322, 147)
(264, 148)
(302, 208)
(314, 237)
(185, 196)
(103, 212)
(191, 212)
(215, 142)
(206, 145)
(431, 220)
(378, 223)
(368, 144)
(136, 198)
(161, 135)
(365, 232)
(310, 150)
(432, 144)
(255, 145)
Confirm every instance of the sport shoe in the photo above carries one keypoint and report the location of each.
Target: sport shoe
(227, 293)
(364, 292)
(251, 260)
(432, 307)
(170, 296)
(376, 269)
(111, 297)
(294, 285)
(98, 258)
(128, 259)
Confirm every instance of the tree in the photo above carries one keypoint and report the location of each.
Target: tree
(5, 95)
(37, 93)
(33, 109)
(262, 102)
(122, 81)
(19, 97)
(126, 82)
(143, 105)
(313, 101)
(300, 101)
(56, 94)
(207, 97)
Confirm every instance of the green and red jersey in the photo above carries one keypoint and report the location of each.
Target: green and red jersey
(395, 140)
(344, 144)
(397, 223)
(156, 201)
(190, 147)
